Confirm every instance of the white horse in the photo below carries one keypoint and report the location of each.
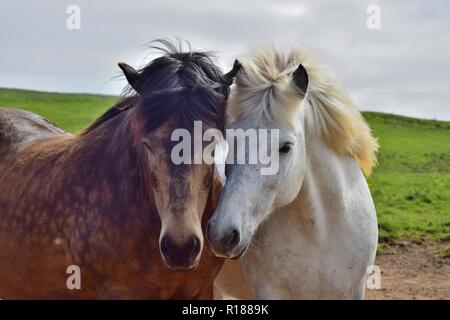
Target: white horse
(309, 231)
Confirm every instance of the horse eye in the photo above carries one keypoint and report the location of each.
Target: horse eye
(286, 148)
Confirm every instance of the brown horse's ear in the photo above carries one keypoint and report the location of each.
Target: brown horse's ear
(131, 75)
(229, 77)
(301, 80)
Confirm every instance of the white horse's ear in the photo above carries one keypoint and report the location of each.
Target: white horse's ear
(301, 80)
(220, 156)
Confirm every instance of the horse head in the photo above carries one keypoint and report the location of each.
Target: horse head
(173, 92)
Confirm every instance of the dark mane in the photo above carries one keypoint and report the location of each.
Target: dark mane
(181, 83)
(123, 104)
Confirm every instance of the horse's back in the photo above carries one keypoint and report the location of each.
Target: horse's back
(19, 128)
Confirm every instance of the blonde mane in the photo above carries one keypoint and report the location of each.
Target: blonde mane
(264, 90)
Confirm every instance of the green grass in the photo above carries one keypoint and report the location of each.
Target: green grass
(410, 186)
(69, 111)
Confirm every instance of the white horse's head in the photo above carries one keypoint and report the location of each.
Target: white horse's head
(297, 96)
(266, 105)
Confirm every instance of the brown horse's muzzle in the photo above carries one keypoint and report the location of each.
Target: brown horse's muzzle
(182, 255)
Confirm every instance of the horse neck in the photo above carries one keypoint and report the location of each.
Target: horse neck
(326, 189)
(105, 147)
(109, 156)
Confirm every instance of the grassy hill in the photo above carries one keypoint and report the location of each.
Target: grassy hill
(69, 111)
(411, 185)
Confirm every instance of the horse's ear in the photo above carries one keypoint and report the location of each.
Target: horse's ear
(300, 77)
(131, 75)
(229, 77)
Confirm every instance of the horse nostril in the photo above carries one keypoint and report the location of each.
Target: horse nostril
(194, 246)
(180, 254)
(166, 244)
(234, 239)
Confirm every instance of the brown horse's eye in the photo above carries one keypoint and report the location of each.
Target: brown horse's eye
(286, 148)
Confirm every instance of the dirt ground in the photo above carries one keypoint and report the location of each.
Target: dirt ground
(412, 271)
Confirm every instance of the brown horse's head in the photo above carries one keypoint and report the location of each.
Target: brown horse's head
(174, 91)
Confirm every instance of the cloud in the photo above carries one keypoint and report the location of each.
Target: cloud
(402, 68)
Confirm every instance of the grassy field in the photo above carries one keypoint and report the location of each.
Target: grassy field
(411, 185)
(71, 112)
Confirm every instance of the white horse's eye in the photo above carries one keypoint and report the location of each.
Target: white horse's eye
(286, 148)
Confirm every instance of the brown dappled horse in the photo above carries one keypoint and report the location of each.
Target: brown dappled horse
(109, 200)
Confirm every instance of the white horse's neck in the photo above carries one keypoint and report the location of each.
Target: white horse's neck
(325, 201)
(328, 233)
(321, 199)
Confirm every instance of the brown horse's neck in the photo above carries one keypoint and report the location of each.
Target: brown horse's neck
(108, 147)
(112, 162)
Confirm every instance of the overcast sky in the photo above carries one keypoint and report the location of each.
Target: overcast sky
(401, 68)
